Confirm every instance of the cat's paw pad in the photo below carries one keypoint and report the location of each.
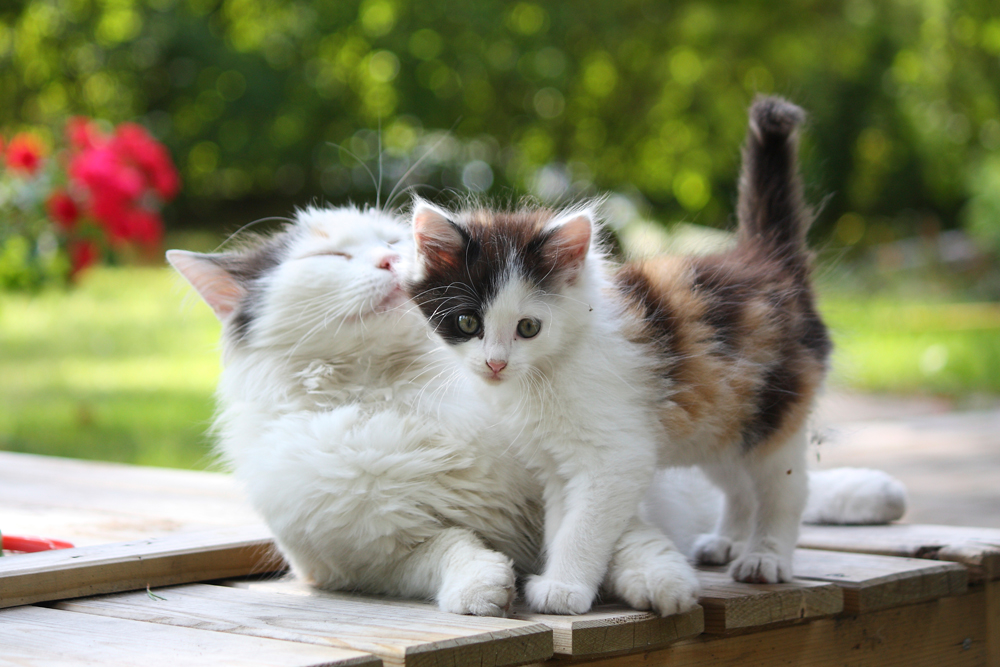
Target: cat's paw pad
(666, 584)
(761, 568)
(713, 549)
(548, 596)
(485, 586)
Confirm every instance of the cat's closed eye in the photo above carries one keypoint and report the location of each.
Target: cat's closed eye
(331, 253)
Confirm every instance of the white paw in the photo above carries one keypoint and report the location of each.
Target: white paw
(713, 549)
(665, 583)
(548, 596)
(761, 568)
(481, 587)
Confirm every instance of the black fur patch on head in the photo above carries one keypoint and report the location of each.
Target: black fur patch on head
(495, 247)
(247, 267)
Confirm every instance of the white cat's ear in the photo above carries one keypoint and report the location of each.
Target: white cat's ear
(220, 289)
(438, 239)
(569, 241)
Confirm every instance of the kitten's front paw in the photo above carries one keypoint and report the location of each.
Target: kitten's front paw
(482, 587)
(666, 583)
(548, 596)
(761, 568)
(713, 549)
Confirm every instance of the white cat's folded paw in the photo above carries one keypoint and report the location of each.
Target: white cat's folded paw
(485, 586)
(713, 549)
(548, 596)
(761, 568)
(667, 584)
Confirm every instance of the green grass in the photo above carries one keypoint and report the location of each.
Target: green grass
(123, 366)
(905, 347)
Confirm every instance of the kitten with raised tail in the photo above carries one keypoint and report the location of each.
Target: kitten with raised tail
(612, 370)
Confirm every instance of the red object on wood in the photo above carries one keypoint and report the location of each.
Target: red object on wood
(32, 544)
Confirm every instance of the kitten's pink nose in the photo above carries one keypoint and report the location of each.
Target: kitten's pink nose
(388, 261)
(496, 366)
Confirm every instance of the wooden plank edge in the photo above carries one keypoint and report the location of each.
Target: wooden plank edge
(114, 568)
(618, 629)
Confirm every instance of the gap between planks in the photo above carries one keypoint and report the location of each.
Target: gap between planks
(397, 633)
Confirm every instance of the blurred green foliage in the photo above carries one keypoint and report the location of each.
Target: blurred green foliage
(263, 102)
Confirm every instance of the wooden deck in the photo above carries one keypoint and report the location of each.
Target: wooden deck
(172, 568)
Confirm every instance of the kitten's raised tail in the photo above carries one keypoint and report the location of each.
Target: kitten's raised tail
(772, 212)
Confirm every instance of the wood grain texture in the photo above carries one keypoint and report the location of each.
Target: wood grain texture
(878, 582)
(408, 633)
(978, 549)
(950, 631)
(993, 622)
(609, 629)
(730, 605)
(180, 558)
(90, 502)
(36, 636)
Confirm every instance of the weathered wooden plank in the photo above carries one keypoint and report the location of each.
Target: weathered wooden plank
(613, 628)
(408, 633)
(36, 636)
(878, 582)
(993, 622)
(90, 502)
(949, 631)
(730, 605)
(978, 549)
(174, 559)
(605, 630)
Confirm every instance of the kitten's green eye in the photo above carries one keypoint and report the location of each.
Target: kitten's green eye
(528, 327)
(468, 324)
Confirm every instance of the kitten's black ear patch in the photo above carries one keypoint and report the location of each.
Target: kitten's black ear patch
(219, 288)
(568, 243)
(439, 240)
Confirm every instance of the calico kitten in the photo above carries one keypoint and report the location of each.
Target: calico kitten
(329, 415)
(613, 370)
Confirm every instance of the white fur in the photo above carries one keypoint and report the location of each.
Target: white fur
(378, 469)
(328, 416)
(580, 400)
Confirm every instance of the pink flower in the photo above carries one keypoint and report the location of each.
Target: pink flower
(24, 154)
(83, 134)
(133, 143)
(63, 210)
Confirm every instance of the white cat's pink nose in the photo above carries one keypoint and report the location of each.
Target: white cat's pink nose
(496, 366)
(388, 261)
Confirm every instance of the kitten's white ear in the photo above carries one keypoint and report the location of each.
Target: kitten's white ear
(438, 239)
(569, 241)
(217, 287)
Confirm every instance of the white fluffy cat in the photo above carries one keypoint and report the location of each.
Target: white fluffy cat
(369, 456)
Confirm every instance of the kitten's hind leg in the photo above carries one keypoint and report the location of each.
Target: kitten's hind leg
(733, 526)
(456, 569)
(780, 487)
(647, 571)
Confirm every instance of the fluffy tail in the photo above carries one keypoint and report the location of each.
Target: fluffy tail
(772, 212)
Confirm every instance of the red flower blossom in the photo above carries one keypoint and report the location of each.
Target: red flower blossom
(83, 134)
(63, 210)
(81, 255)
(24, 154)
(132, 142)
